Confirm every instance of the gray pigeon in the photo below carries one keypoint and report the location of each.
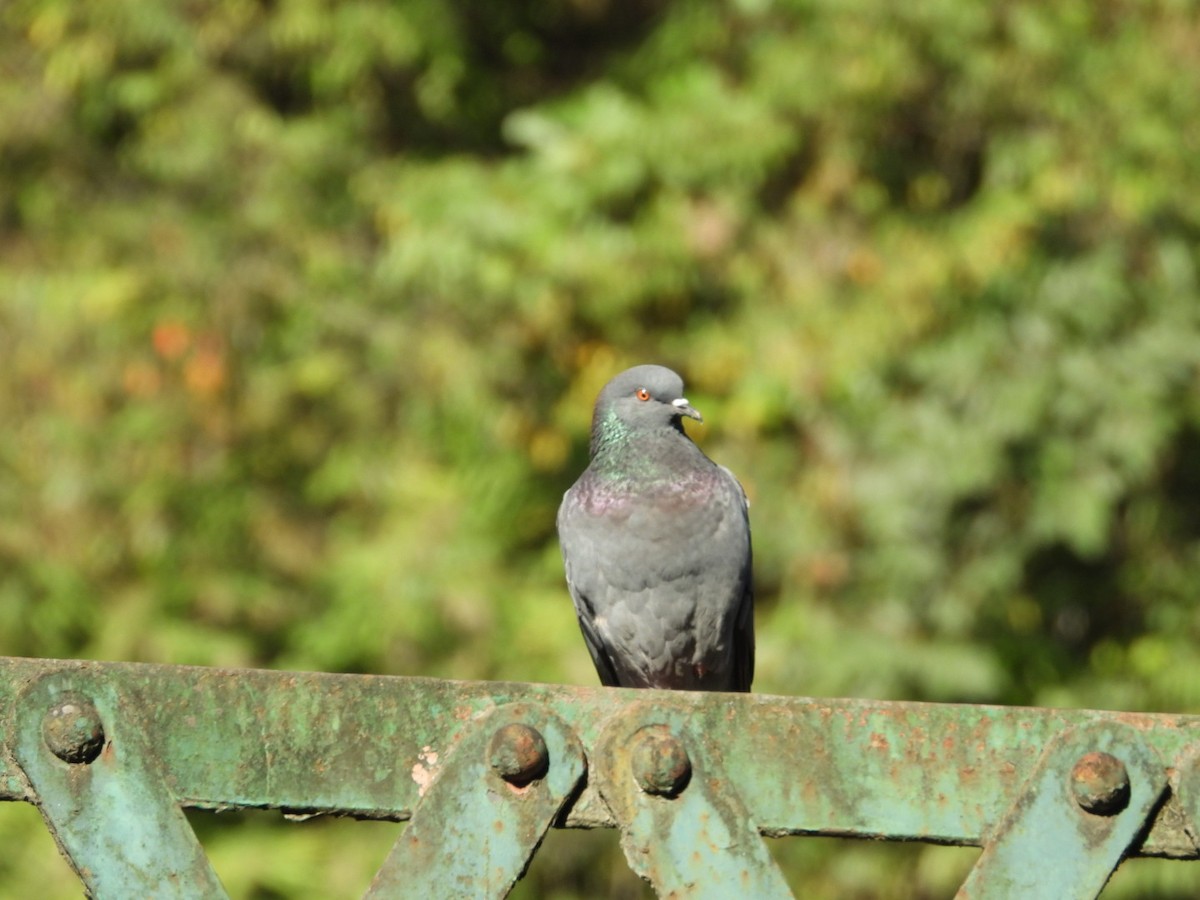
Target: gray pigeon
(656, 542)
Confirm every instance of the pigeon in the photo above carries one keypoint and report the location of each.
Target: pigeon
(655, 540)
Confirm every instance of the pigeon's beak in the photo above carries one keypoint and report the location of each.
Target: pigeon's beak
(686, 410)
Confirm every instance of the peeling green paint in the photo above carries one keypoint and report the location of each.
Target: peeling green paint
(423, 749)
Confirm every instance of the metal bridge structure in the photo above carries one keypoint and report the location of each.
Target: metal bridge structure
(112, 753)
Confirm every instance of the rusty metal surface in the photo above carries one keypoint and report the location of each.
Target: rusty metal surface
(683, 827)
(1074, 819)
(101, 794)
(486, 809)
(366, 745)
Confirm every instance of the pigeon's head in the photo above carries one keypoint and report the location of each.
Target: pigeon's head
(645, 397)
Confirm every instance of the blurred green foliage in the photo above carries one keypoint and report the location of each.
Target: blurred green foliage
(303, 306)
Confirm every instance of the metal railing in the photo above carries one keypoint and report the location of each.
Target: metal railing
(111, 753)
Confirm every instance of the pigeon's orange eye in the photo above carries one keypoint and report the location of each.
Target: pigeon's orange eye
(642, 394)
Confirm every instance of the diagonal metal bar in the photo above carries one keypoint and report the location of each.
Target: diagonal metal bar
(683, 828)
(1075, 819)
(98, 787)
(486, 808)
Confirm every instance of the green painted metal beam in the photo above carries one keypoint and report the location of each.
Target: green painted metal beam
(102, 794)
(485, 810)
(683, 827)
(366, 745)
(1075, 818)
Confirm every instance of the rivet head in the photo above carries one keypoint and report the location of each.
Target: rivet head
(660, 762)
(1100, 783)
(72, 730)
(518, 754)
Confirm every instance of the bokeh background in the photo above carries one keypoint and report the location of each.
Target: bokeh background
(304, 304)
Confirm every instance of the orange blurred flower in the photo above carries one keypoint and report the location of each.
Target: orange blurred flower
(171, 339)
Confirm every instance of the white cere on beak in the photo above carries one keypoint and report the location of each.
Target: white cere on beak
(685, 409)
